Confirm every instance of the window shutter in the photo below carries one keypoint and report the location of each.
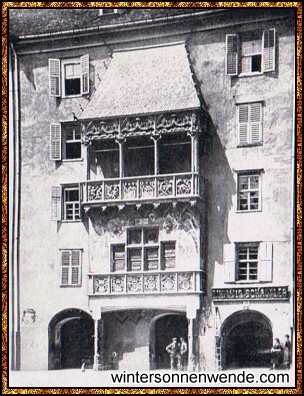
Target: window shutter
(56, 203)
(75, 278)
(269, 50)
(255, 122)
(243, 123)
(232, 56)
(65, 267)
(54, 77)
(229, 262)
(55, 140)
(265, 262)
(85, 73)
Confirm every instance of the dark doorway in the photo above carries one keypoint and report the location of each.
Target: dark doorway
(247, 340)
(166, 328)
(71, 341)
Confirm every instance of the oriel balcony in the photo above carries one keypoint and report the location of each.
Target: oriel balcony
(150, 282)
(143, 160)
(143, 189)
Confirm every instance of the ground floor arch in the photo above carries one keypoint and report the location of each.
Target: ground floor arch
(71, 339)
(246, 340)
(163, 328)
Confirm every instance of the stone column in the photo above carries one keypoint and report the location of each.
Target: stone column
(96, 364)
(120, 140)
(155, 139)
(191, 316)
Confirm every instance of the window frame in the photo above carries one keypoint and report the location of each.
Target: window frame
(74, 203)
(70, 266)
(101, 11)
(65, 62)
(249, 174)
(247, 261)
(66, 141)
(144, 246)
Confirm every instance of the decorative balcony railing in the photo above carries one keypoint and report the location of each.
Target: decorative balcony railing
(251, 293)
(145, 283)
(143, 188)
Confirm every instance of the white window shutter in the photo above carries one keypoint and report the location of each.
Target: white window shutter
(55, 142)
(269, 50)
(85, 74)
(54, 77)
(229, 262)
(265, 262)
(75, 276)
(232, 54)
(255, 122)
(65, 267)
(56, 203)
(243, 123)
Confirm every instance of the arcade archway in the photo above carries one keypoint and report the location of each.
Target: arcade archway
(163, 329)
(246, 340)
(71, 341)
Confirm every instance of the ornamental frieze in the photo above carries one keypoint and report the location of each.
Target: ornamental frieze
(154, 126)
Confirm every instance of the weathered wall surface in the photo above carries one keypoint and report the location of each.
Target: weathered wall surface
(41, 239)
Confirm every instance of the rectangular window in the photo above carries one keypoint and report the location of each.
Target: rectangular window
(68, 78)
(70, 268)
(247, 262)
(249, 123)
(107, 11)
(250, 53)
(168, 255)
(72, 142)
(249, 192)
(143, 252)
(118, 257)
(71, 203)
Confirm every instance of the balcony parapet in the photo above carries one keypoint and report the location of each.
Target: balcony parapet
(143, 188)
(269, 293)
(138, 283)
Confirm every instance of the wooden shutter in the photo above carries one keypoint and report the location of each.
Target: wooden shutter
(85, 74)
(243, 123)
(265, 262)
(255, 122)
(75, 275)
(56, 203)
(65, 267)
(229, 262)
(232, 54)
(55, 142)
(269, 50)
(54, 77)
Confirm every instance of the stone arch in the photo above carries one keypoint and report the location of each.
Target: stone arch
(70, 339)
(246, 340)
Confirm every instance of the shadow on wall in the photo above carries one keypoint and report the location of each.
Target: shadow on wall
(219, 189)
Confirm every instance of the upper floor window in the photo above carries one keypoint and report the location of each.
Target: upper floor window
(250, 53)
(248, 262)
(108, 11)
(143, 252)
(250, 123)
(65, 203)
(70, 77)
(249, 191)
(70, 268)
(65, 142)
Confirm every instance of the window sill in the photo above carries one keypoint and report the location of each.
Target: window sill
(248, 211)
(251, 74)
(71, 221)
(65, 286)
(73, 160)
(71, 96)
(249, 145)
(244, 282)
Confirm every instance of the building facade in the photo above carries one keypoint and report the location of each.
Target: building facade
(153, 186)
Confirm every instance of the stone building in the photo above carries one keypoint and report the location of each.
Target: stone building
(153, 186)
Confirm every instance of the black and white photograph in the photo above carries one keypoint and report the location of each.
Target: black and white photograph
(152, 206)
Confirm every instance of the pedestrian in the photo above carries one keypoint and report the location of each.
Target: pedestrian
(287, 351)
(174, 351)
(183, 349)
(276, 352)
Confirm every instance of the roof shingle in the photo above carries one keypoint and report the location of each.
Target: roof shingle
(142, 81)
